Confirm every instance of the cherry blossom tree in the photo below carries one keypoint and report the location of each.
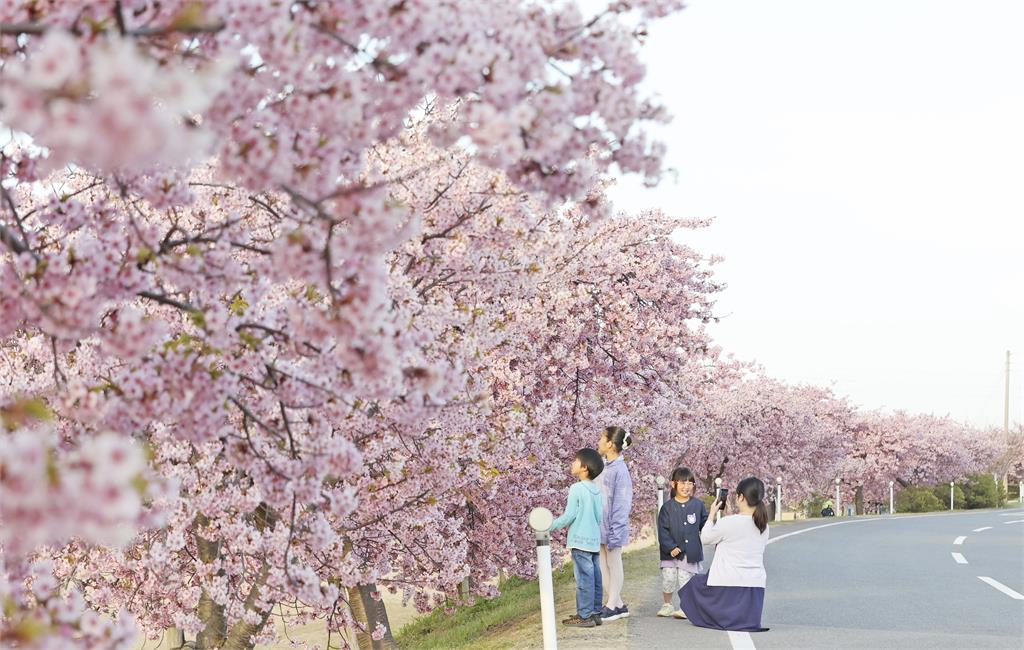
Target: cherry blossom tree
(307, 300)
(236, 321)
(912, 449)
(562, 321)
(752, 425)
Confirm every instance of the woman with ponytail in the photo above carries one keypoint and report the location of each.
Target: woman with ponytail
(731, 595)
(618, 501)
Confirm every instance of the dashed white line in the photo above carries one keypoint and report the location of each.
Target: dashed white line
(959, 540)
(1015, 521)
(741, 641)
(978, 530)
(960, 559)
(1001, 587)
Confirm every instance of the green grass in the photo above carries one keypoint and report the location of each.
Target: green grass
(518, 600)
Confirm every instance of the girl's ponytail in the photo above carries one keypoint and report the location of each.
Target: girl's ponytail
(619, 437)
(752, 490)
(761, 516)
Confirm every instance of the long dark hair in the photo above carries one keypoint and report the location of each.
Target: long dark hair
(681, 474)
(752, 490)
(619, 437)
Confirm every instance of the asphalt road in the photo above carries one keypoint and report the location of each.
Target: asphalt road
(878, 582)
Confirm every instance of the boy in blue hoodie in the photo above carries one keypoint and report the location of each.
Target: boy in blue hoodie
(582, 515)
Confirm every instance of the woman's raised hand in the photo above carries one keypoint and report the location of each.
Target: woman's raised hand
(716, 505)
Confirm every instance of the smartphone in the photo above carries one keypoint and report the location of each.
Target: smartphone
(722, 493)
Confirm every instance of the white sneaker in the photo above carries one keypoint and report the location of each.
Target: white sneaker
(679, 614)
(666, 610)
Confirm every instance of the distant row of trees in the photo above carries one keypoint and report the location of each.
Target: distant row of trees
(981, 490)
(978, 491)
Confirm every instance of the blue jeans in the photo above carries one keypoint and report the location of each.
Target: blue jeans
(586, 569)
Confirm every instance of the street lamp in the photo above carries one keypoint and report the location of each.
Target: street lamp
(839, 505)
(778, 498)
(890, 498)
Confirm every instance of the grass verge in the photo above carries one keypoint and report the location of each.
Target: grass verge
(470, 624)
(512, 620)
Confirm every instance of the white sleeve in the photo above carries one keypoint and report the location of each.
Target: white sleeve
(713, 533)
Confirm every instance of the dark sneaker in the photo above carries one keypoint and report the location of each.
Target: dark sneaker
(576, 621)
(596, 618)
(622, 612)
(609, 614)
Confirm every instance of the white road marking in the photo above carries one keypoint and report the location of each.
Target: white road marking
(978, 530)
(736, 638)
(1001, 587)
(806, 530)
(1015, 521)
(887, 518)
(1010, 514)
(741, 641)
(959, 540)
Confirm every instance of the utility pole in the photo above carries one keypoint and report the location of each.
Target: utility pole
(1006, 421)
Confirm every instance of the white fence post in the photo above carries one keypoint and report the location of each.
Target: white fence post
(540, 521)
(839, 503)
(778, 498)
(951, 495)
(661, 491)
(1020, 491)
(891, 511)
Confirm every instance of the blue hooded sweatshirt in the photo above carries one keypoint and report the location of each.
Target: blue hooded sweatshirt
(583, 517)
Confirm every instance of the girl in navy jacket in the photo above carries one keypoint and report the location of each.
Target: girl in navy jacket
(679, 524)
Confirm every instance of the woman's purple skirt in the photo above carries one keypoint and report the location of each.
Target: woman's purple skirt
(722, 608)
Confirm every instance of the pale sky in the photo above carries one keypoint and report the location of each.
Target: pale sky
(864, 162)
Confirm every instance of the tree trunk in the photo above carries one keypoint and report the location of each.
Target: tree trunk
(173, 639)
(465, 588)
(858, 499)
(242, 633)
(215, 632)
(370, 612)
(210, 613)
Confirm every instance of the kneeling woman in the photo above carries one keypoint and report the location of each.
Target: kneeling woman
(731, 595)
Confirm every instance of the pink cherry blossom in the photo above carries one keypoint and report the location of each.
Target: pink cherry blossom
(317, 299)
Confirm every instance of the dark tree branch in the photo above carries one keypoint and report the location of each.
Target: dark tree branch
(171, 302)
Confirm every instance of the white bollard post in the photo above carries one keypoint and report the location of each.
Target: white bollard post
(839, 505)
(1020, 491)
(540, 521)
(891, 511)
(661, 491)
(951, 495)
(778, 498)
